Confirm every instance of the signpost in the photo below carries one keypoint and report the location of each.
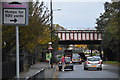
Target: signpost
(50, 53)
(15, 13)
(48, 56)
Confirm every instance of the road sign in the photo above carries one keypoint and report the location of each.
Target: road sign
(14, 16)
(50, 48)
(15, 13)
(48, 56)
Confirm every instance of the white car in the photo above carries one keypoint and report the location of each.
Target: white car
(93, 63)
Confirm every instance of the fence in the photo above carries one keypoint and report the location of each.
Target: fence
(9, 69)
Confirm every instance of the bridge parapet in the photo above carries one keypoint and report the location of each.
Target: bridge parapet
(79, 35)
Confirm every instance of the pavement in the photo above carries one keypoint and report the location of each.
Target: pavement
(40, 66)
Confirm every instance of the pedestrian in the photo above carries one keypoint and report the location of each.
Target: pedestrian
(63, 63)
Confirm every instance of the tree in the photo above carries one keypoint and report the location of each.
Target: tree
(109, 23)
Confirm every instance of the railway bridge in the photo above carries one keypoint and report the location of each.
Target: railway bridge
(79, 36)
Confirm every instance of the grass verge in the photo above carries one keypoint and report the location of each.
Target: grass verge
(111, 62)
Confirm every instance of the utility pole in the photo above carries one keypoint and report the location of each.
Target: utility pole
(51, 30)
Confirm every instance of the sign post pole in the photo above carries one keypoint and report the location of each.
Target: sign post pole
(15, 13)
(17, 52)
(49, 60)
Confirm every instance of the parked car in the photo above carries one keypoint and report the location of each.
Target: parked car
(93, 63)
(68, 64)
(76, 58)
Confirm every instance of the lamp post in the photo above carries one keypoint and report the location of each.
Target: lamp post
(51, 24)
(51, 18)
(50, 54)
(51, 13)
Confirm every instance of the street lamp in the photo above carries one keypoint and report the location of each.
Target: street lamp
(51, 10)
(51, 18)
(50, 53)
(51, 24)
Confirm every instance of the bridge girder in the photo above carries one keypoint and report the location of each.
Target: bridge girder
(80, 42)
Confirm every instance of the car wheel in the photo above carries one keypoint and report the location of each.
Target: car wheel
(100, 69)
(85, 68)
(72, 69)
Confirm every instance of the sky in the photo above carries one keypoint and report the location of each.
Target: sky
(77, 14)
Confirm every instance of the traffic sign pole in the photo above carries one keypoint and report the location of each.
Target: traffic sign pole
(49, 63)
(15, 13)
(17, 53)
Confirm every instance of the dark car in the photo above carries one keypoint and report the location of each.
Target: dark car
(68, 64)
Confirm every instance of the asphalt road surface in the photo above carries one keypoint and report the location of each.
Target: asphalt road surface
(108, 73)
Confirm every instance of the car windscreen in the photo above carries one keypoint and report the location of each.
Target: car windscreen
(76, 56)
(96, 59)
(67, 59)
(90, 59)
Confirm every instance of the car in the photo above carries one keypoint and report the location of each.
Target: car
(76, 58)
(93, 63)
(68, 64)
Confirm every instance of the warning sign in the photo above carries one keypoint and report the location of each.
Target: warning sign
(14, 16)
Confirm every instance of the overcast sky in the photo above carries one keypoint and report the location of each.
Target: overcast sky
(77, 14)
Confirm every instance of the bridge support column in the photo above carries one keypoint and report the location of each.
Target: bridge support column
(100, 50)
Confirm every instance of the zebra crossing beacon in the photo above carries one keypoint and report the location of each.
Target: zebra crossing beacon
(15, 13)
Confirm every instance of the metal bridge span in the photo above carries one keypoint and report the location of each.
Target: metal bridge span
(79, 36)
